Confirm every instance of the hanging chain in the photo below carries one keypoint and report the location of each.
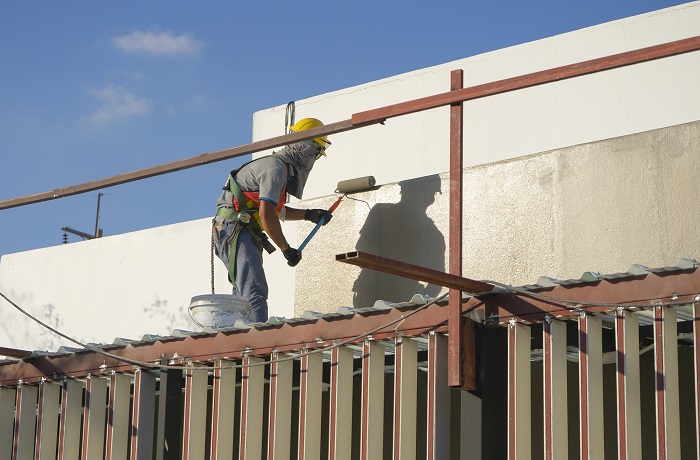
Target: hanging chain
(212, 255)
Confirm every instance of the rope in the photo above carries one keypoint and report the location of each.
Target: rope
(213, 222)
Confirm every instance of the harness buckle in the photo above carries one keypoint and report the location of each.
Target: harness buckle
(244, 218)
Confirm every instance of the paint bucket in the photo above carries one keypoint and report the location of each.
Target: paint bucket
(218, 311)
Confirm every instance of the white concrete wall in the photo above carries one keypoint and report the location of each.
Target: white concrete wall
(119, 286)
(586, 109)
(601, 206)
(142, 282)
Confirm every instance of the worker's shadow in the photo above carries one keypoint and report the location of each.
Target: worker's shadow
(401, 231)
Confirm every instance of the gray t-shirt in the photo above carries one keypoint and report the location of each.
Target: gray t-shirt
(267, 175)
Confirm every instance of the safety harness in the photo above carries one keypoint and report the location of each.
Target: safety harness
(243, 218)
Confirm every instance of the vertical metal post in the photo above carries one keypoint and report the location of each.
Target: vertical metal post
(118, 416)
(590, 386)
(25, 422)
(143, 414)
(629, 437)
(310, 388)
(8, 397)
(252, 395)
(94, 414)
(405, 393)
(554, 387)
(668, 442)
(98, 233)
(340, 412)
(69, 431)
(439, 400)
(372, 422)
(47, 422)
(455, 377)
(519, 406)
(195, 413)
(279, 431)
(223, 407)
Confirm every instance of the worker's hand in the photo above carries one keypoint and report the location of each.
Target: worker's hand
(292, 255)
(314, 215)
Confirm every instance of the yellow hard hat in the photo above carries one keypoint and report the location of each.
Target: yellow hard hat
(308, 123)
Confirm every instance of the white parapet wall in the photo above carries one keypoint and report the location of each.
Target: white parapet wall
(142, 282)
(119, 286)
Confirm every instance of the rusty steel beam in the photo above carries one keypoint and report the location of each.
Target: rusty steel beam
(14, 353)
(528, 80)
(200, 160)
(468, 355)
(645, 291)
(415, 272)
(454, 346)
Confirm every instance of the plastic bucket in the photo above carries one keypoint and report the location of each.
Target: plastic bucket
(218, 310)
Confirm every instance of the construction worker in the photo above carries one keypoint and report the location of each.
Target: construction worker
(251, 207)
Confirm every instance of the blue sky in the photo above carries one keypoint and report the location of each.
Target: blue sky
(93, 89)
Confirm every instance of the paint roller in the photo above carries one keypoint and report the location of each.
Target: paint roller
(345, 187)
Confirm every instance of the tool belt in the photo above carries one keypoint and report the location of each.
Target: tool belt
(244, 219)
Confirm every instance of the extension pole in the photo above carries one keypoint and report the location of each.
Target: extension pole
(319, 224)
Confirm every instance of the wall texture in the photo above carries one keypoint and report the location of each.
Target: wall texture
(600, 207)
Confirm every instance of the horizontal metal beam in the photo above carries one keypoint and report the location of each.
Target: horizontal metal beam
(14, 353)
(288, 337)
(529, 80)
(645, 291)
(206, 158)
(414, 272)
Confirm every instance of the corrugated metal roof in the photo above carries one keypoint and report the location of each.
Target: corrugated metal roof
(635, 271)
(346, 312)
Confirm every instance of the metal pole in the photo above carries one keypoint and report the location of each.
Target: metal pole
(97, 218)
(454, 347)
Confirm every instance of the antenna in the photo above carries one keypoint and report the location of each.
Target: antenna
(83, 235)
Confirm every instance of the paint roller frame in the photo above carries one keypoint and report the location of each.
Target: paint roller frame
(346, 187)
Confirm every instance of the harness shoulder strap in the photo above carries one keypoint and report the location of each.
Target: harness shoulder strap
(237, 193)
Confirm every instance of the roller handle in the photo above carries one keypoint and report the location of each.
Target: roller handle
(319, 224)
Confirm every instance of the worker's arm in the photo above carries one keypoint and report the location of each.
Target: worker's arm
(312, 215)
(294, 214)
(271, 224)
